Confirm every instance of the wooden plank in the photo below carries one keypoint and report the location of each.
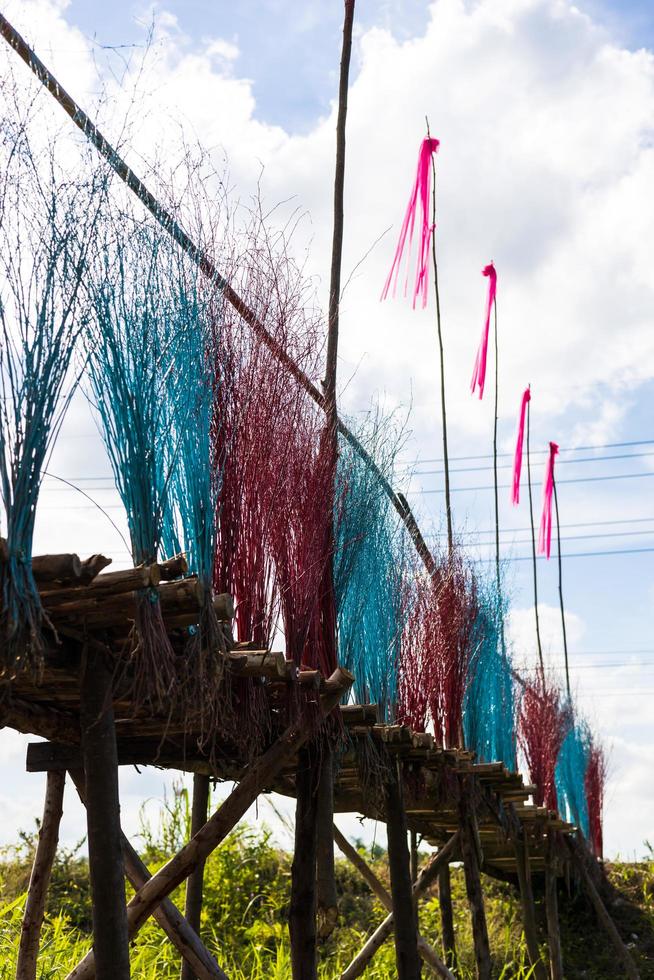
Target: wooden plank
(473, 881)
(552, 911)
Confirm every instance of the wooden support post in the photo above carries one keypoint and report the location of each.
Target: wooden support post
(552, 909)
(326, 898)
(467, 823)
(447, 916)
(100, 756)
(523, 867)
(302, 912)
(629, 967)
(167, 915)
(426, 877)
(428, 954)
(195, 881)
(406, 926)
(37, 892)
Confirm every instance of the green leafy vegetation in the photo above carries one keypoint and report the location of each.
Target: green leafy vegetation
(247, 885)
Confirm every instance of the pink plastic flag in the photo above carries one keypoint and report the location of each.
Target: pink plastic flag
(517, 460)
(479, 370)
(545, 533)
(419, 195)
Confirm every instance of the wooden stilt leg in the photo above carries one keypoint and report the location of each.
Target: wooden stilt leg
(527, 901)
(110, 939)
(195, 882)
(628, 965)
(167, 915)
(302, 913)
(552, 910)
(447, 916)
(428, 954)
(426, 877)
(327, 901)
(467, 823)
(46, 849)
(406, 931)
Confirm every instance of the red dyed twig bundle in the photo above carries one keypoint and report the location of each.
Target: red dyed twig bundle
(544, 722)
(594, 784)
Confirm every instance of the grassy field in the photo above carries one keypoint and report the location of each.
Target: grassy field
(247, 891)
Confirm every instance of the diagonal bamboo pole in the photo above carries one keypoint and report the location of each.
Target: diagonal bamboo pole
(202, 260)
(426, 877)
(257, 777)
(37, 893)
(427, 952)
(167, 915)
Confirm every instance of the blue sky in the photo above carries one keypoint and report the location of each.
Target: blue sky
(545, 166)
(294, 76)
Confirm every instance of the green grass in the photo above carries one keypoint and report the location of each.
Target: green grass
(247, 882)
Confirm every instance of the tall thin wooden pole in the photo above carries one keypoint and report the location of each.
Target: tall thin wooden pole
(558, 548)
(100, 756)
(326, 900)
(195, 882)
(37, 892)
(407, 957)
(441, 354)
(533, 550)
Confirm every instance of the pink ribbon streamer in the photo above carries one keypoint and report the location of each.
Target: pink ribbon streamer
(419, 195)
(545, 533)
(479, 370)
(517, 460)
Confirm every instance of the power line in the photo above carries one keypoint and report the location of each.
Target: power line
(535, 452)
(581, 479)
(581, 554)
(508, 466)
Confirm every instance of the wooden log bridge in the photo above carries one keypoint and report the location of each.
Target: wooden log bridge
(82, 704)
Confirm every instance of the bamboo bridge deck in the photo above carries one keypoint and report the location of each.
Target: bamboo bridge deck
(48, 706)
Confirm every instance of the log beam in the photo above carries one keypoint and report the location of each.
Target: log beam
(37, 892)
